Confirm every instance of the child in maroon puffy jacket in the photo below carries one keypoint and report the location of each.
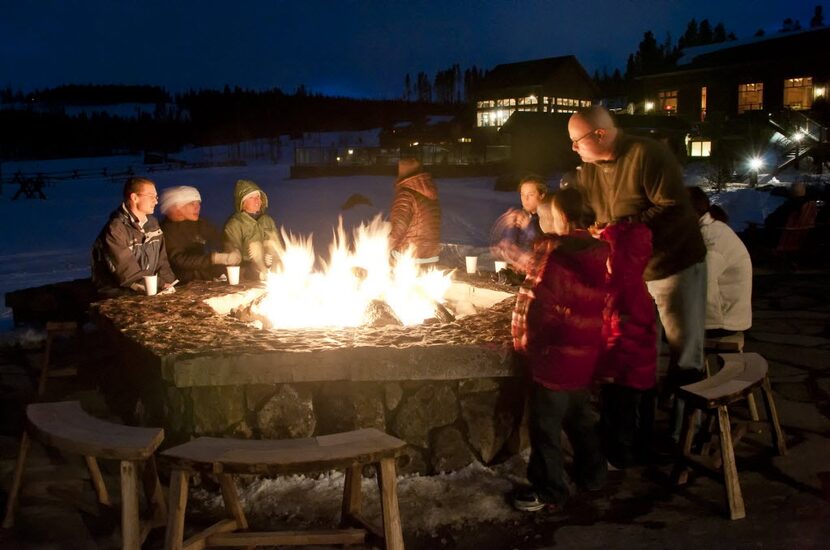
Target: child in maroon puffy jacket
(558, 327)
(629, 364)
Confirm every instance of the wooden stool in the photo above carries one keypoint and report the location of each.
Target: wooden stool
(226, 457)
(67, 427)
(741, 372)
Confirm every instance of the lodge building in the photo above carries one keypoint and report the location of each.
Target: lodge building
(551, 85)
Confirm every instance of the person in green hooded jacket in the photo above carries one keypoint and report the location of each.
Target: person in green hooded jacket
(251, 231)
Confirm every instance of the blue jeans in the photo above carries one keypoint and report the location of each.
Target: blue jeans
(550, 413)
(681, 313)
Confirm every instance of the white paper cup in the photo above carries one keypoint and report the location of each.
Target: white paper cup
(500, 265)
(233, 274)
(472, 264)
(151, 284)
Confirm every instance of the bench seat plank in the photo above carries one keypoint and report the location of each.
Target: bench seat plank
(68, 427)
(309, 454)
(740, 374)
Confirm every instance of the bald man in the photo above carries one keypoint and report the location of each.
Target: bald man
(632, 178)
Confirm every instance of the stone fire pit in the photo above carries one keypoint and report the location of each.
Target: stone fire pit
(450, 390)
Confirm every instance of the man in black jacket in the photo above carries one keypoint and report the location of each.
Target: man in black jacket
(131, 244)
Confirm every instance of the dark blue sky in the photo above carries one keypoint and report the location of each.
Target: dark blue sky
(359, 48)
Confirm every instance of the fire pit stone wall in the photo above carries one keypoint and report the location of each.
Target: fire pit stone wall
(450, 390)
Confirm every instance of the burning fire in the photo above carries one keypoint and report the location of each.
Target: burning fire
(340, 294)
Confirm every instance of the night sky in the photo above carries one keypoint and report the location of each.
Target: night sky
(338, 47)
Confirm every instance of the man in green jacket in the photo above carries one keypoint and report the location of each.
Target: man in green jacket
(251, 231)
(632, 178)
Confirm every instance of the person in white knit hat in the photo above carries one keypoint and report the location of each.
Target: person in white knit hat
(194, 245)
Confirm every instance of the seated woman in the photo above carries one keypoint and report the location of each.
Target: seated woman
(729, 267)
(193, 244)
(251, 232)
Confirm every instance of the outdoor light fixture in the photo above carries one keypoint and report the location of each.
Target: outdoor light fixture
(351, 151)
(649, 106)
(819, 91)
(799, 135)
(755, 163)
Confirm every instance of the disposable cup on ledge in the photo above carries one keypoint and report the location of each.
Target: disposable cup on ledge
(500, 265)
(233, 274)
(472, 264)
(151, 284)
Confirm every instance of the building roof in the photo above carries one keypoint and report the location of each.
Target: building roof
(748, 50)
(564, 72)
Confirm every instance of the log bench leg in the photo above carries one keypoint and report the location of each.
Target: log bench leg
(130, 520)
(734, 498)
(387, 482)
(681, 471)
(230, 497)
(154, 493)
(352, 496)
(17, 480)
(772, 416)
(97, 480)
(174, 535)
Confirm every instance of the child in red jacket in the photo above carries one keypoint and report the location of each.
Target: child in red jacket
(557, 326)
(629, 364)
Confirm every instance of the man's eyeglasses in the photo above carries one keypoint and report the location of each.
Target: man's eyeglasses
(575, 141)
(152, 196)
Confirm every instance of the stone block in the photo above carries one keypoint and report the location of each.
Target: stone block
(449, 451)
(431, 406)
(412, 462)
(257, 394)
(216, 409)
(392, 395)
(490, 418)
(288, 414)
(475, 385)
(344, 406)
(177, 417)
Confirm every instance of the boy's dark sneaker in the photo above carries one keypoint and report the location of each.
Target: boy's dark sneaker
(527, 500)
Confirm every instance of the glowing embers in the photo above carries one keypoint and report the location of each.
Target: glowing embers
(356, 286)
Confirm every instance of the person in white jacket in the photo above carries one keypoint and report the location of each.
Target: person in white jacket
(729, 268)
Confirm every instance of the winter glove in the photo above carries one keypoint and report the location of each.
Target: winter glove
(268, 259)
(226, 258)
(272, 247)
(256, 256)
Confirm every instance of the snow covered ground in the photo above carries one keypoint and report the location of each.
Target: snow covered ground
(46, 241)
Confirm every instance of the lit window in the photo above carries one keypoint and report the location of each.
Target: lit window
(703, 103)
(667, 101)
(798, 93)
(700, 148)
(750, 97)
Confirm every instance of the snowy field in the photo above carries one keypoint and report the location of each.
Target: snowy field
(46, 241)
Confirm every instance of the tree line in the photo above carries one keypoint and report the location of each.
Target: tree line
(36, 128)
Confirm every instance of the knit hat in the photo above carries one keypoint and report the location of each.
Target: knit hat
(248, 196)
(182, 194)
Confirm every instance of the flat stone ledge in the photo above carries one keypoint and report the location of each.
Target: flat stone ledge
(196, 347)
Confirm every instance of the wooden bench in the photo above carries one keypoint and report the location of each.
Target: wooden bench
(739, 375)
(226, 457)
(67, 427)
(732, 343)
